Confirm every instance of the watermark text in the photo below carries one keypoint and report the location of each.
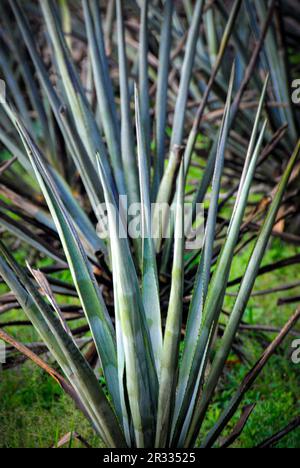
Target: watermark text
(2, 353)
(129, 222)
(296, 92)
(296, 352)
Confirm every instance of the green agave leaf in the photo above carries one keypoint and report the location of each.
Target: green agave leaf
(141, 377)
(162, 94)
(109, 24)
(186, 73)
(29, 306)
(202, 279)
(64, 350)
(27, 75)
(252, 141)
(14, 88)
(76, 147)
(126, 415)
(85, 282)
(238, 40)
(164, 197)
(84, 165)
(144, 80)
(215, 299)
(212, 35)
(193, 135)
(278, 71)
(218, 62)
(248, 282)
(102, 78)
(150, 284)
(172, 336)
(101, 38)
(66, 20)
(199, 196)
(127, 135)
(82, 114)
(188, 9)
(220, 278)
(82, 221)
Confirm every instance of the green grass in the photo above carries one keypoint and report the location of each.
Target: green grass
(34, 412)
(276, 393)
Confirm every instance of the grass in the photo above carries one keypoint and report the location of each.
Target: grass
(36, 413)
(277, 390)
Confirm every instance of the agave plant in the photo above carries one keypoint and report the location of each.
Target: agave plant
(152, 307)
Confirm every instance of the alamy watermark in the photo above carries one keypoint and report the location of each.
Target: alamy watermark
(296, 352)
(2, 91)
(296, 92)
(2, 353)
(129, 221)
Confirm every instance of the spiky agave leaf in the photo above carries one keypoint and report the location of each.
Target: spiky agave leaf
(150, 283)
(140, 371)
(127, 134)
(245, 291)
(88, 291)
(64, 350)
(172, 335)
(202, 280)
(162, 94)
(153, 405)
